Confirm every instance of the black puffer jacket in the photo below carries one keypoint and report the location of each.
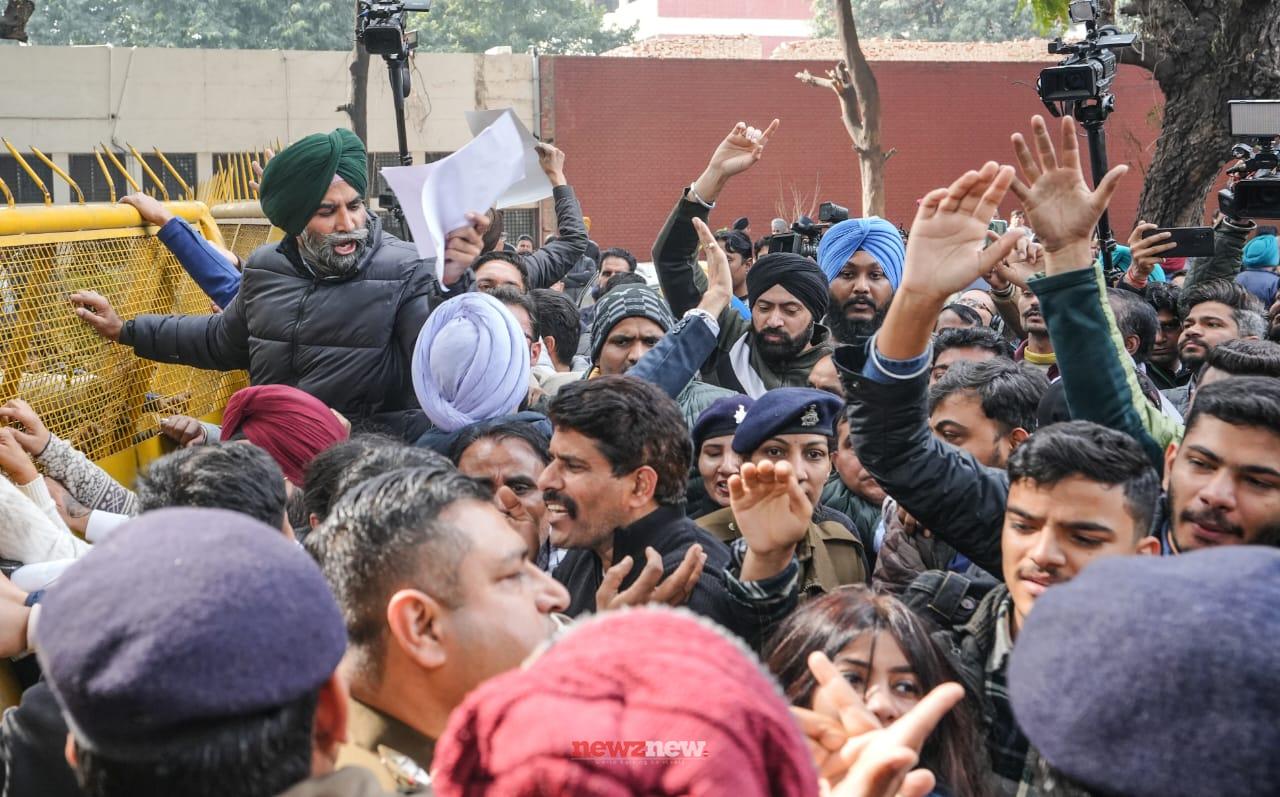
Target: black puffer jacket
(941, 486)
(347, 342)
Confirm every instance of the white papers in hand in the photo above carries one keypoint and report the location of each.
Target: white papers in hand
(436, 197)
(535, 186)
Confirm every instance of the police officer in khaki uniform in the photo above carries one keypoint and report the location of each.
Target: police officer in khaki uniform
(196, 652)
(798, 425)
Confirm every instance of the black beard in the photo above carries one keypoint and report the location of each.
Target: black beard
(775, 354)
(1192, 362)
(1273, 334)
(848, 331)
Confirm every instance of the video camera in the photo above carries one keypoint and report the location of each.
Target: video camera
(805, 233)
(1089, 69)
(380, 26)
(1253, 190)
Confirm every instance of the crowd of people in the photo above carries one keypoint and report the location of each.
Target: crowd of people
(953, 512)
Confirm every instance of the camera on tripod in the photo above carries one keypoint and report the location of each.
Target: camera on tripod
(805, 233)
(1090, 66)
(380, 26)
(1254, 188)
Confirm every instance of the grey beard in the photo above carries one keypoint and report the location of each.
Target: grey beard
(317, 251)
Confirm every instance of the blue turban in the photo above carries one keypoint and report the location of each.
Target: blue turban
(874, 235)
(1121, 257)
(470, 363)
(1261, 252)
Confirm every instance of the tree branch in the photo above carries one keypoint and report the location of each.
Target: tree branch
(810, 79)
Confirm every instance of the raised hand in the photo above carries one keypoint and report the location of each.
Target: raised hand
(94, 309)
(33, 436)
(1060, 206)
(255, 183)
(738, 152)
(1146, 251)
(877, 761)
(552, 162)
(741, 149)
(719, 280)
(650, 586)
(945, 250)
(772, 512)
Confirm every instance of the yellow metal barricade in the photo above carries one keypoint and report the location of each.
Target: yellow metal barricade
(107, 402)
(97, 394)
(244, 227)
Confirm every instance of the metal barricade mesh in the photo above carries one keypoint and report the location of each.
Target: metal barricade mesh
(242, 236)
(94, 393)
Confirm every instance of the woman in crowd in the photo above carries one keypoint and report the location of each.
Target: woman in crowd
(886, 654)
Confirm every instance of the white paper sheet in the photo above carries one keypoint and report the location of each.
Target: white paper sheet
(436, 197)
(535, 186)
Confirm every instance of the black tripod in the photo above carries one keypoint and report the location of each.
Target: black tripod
(1092, 115)
(398, 72)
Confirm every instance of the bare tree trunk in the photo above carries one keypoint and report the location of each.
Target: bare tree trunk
(357, 108)
(1202, 53)
(855, 85)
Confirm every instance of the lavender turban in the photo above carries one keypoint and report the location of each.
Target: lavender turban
(874, 235)
(471, 362)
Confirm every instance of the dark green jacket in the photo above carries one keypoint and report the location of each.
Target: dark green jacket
(1098, 375)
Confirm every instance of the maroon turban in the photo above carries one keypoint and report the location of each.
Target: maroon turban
(290, 425)
(584, 717)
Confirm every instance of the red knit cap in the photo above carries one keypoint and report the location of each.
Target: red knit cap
(640, 676)
(290, 425)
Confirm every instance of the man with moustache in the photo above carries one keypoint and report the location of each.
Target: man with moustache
(1078, 493)
(1223, 477)
(862, 261)
(438, 593)
(1037, 350)
(333, 309)
(615, 492)
(1212, 312)
(507, 457)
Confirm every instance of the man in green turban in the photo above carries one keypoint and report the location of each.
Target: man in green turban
(305, 191)
(333, 309)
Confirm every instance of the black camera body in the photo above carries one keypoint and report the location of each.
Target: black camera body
(806, 233)
(1086, 74)
(380, 26)
(1080, 77)
(1254, 188)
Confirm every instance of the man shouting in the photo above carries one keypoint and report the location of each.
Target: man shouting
(333, 309)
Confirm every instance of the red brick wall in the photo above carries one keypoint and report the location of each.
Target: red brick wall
(636, 131)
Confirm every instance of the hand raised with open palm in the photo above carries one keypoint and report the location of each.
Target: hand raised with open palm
(945, 250)
(1060, 206)
(769, 506)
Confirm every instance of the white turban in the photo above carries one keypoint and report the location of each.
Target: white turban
(470, 363)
